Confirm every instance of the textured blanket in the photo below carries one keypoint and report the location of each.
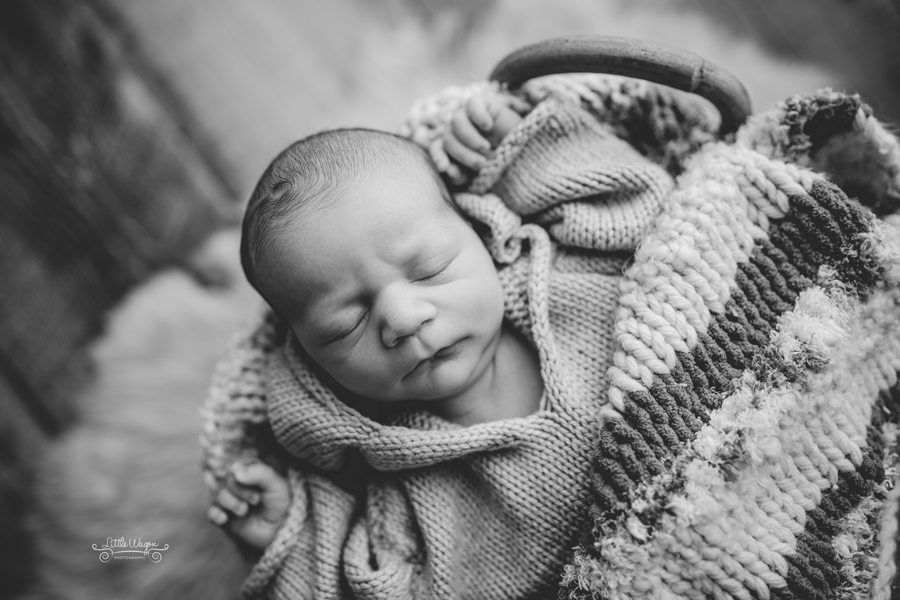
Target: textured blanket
(748, 427)
(749, 446)
(750, 449)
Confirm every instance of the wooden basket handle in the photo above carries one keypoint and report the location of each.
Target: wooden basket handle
(632, 58)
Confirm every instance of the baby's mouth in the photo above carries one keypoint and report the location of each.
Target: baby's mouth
(446, 353)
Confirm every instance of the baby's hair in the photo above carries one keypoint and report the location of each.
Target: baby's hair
(309, 172)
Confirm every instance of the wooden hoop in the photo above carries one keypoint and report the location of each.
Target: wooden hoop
(632, 58)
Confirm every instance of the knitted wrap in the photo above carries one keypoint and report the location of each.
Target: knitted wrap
(746, 430)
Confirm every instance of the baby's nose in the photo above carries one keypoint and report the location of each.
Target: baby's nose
(403, 313)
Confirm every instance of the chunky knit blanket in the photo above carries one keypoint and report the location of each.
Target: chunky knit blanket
(749, 448)
(746, 441)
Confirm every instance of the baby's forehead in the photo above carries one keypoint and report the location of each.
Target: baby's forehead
(326, 249)
(363, 202)
(416, 180)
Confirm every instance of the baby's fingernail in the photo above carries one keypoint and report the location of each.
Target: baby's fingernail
(217, 517)
(253, 498)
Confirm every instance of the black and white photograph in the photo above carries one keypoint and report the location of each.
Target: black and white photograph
(450, 300)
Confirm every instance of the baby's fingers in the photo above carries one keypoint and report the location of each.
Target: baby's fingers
(464, 130)
(455, 175)
(520, 105)
(256, 475)
(217, 515)
(463, 155)
(228, 502)
(480, 113)
(274, 492)
(439, 156)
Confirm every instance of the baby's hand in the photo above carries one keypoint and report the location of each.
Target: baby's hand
(476, 129)
(253, 503)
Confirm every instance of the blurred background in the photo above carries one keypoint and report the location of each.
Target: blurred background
(130, 135)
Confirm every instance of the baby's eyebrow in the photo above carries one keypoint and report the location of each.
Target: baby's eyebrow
(333, 313)
(333, 296)
(430, 262)
(320, 309)
(340, 301)
(431, 252)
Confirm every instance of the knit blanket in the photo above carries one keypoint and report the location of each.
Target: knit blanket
(749, 445)
(747, 429)
(750, 449)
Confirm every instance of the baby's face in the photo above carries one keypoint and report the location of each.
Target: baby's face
(391, 292)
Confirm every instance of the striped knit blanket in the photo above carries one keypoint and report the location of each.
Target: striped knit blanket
(751, 446)
(750, 449)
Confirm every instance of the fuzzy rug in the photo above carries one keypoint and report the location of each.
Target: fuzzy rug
(130, 467)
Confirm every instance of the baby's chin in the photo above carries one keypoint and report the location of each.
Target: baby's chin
(447, 382)
(440, 384)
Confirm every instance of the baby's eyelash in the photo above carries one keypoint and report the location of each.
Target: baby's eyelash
(344, 334)
(435, 274)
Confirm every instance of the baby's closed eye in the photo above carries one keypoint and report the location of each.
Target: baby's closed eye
(433, 273)
(347, 331)
(432, 268)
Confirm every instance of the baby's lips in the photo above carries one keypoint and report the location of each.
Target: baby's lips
(415, 369)
(447, 351)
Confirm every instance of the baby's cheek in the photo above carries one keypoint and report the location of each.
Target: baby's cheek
(371, 363)
(492, 293)
(341, 363)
